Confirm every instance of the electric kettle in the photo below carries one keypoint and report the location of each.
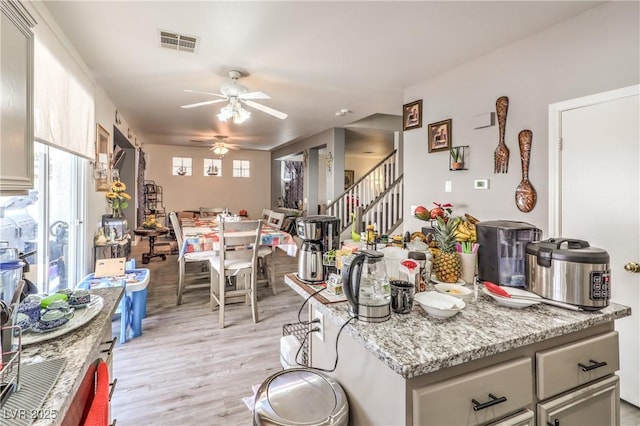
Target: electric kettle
(366, 285)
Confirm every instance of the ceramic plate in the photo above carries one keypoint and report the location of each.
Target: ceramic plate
(512, 303)
(80, 318)
(433, 278)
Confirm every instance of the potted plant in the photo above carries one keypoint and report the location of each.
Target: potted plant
(456, 163)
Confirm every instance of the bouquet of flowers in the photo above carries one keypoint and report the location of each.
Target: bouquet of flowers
(118, 198)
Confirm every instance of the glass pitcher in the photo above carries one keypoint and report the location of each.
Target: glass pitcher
(367, 287)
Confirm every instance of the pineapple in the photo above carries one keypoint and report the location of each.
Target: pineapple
(446, 265)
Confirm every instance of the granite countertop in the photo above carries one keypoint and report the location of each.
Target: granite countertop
(416, 343)
(76, 348)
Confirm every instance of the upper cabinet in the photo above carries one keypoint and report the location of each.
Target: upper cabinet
(16, 98)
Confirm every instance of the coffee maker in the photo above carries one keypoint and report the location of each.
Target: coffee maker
(319, 235)
(501, 252)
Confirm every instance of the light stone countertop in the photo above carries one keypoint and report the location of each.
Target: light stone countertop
(76, 347)
(416, 343)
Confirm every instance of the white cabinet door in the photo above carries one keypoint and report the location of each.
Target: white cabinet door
(16, 99)
(595, 405)
(597, 199)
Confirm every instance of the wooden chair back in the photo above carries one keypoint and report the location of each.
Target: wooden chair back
(276, 220)
(238, 242)
(210, 211)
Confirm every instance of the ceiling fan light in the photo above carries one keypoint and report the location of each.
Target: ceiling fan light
(220, 150)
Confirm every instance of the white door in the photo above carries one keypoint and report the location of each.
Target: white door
(595, 196)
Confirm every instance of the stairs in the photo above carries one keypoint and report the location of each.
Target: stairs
(376, 197)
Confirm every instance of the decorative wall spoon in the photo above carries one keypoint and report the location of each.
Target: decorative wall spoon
(525, 192)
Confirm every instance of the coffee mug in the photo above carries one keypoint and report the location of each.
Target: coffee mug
(402, 296)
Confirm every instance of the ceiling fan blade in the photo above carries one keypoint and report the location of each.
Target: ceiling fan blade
(215, 101)
(206, 93)
(254, 95)
(263, 108)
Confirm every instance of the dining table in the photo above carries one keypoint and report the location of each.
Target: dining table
(200, 235)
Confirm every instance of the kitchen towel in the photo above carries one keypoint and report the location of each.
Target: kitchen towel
(99, 411)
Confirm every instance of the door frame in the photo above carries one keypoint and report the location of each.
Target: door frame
(555, 145)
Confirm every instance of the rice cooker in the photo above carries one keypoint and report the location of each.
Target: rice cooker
(569, 271)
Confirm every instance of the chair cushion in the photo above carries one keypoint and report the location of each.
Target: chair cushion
(199, 256)
(230, 264)
(264, 250)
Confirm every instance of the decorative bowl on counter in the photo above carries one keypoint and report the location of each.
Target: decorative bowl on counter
(439, 305)
(455, 290)
(31, 308)
(50, 320)
(79, 298)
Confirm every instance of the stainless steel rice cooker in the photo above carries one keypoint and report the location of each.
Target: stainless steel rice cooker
(569, 271)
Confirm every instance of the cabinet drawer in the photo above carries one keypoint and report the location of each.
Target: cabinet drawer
(523, 418)
(596, 404)
(451, 402)
(563, 368)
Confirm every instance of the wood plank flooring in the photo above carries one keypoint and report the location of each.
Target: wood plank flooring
(183, 370)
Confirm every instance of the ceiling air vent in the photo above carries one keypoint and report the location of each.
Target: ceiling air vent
(178, 41)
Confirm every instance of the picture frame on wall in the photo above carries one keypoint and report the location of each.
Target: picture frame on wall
(440, 136)
(101, 170)
(348, 178)
(412, 115)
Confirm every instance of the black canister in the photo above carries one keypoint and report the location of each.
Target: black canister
(402, 296)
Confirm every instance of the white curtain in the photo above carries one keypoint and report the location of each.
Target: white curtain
(64, 106)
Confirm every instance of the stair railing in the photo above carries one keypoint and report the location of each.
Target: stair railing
(374, 187)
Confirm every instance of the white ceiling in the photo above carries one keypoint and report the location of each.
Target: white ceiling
(312, 58)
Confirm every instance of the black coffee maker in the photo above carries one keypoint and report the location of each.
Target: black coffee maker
(319, 234)
(501, 252)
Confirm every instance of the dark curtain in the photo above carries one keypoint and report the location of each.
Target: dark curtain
(142, 164)
(294, 190)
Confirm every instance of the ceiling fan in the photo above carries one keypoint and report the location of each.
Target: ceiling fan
(237, 95)
(219, 146)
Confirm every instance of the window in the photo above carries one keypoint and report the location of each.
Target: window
(48, 221)
(181, 166)
(241, 168)
(212, 167)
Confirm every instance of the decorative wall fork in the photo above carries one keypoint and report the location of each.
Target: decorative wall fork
(501, 154)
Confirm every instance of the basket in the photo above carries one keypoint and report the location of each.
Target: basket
(299, 331)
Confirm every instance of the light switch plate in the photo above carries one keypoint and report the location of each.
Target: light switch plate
(448, 187)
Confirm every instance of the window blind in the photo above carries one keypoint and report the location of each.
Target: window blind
(64, 106)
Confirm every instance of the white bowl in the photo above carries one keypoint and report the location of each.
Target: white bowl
(439, 305)
(455, 290)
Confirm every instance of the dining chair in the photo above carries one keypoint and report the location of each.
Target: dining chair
(275, 220)
(210, 211)
(194, 278)
(237, 257)
(265, 215)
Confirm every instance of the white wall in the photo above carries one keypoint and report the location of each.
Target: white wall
(192, 192)
(593, 52)
(360, 165)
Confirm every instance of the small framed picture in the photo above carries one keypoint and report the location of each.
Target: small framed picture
(348, 178)
(440, 136)
(412, 115)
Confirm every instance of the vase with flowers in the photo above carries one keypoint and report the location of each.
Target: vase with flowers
(117, 198)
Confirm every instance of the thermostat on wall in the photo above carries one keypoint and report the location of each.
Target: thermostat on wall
(481, 184)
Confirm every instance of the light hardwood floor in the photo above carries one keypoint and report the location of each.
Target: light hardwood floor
(183, 370)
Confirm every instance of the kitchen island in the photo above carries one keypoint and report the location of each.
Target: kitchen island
(416, 369)
(78, 350)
